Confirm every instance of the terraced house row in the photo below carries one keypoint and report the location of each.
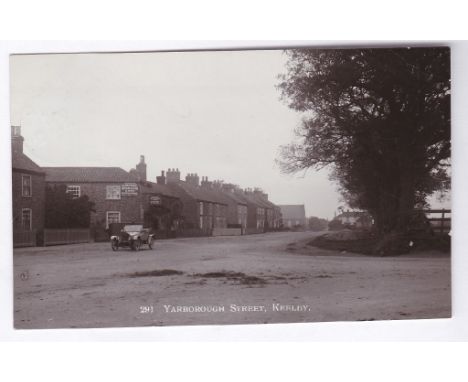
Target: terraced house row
(172, 206)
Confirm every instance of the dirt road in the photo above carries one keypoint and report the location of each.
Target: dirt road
(222, 280)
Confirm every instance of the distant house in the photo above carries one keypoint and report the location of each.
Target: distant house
(237, 205)
(254, 212)
(293, 215)
(114, 192)
(262, 215)
(273, 215)
(355, 219)
(28, 190)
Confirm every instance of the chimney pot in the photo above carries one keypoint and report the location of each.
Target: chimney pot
(16, 139)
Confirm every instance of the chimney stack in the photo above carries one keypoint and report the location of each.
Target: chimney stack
(218, 184)
(16, 140)
(173, 175)
(192, 179)
(161, 179)
(205, 182)
(238, 190)
(141, 168)
(259, 192)
(228, 187)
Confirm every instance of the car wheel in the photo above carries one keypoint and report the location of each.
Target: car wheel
(137, 244)
(150, 243)
(114, 244)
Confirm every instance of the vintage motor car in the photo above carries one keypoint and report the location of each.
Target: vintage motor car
(132, 236)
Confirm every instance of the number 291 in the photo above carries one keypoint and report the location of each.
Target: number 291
(146, 309)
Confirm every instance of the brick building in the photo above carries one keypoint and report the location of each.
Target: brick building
(163, 210)
(204, 208)
(272, 213)
(115, 193)
(171, 206)
(237, 206)
(293, 216)
(28, 194)
(258, 210)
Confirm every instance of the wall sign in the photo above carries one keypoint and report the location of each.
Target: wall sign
(129, 189)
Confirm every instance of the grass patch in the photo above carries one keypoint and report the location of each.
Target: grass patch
(391, 244)
(363, 246)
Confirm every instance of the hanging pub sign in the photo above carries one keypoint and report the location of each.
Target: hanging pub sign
(129, 189)
(155, 200)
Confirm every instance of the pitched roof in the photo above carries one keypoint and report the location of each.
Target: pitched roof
(265, 201)
(292, 211)
(154, 188)
(88, 174)
(198, 193)
(235, 196)
(256, 200)
(260, 200)
(20, 161)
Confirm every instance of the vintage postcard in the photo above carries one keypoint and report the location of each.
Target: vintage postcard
(230, 187)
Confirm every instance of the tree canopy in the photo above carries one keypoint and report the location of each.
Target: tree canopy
(317, 224)
(380, 118)
(64, 211)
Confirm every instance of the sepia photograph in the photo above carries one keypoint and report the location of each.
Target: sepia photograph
(225, 187)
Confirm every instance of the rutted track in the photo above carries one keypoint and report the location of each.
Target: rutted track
(91, 286)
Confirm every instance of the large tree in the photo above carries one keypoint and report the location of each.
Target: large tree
(380, 118)
(64, 211)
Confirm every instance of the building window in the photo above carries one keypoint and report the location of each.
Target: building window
(74, 191)
(26, 219)
(26, 185)
(112, 217)
(113, 192)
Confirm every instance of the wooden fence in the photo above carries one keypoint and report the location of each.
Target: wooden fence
(66, 236)
(24, 238)
(440, 220)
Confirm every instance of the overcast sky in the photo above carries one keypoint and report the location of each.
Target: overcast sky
(214, 113)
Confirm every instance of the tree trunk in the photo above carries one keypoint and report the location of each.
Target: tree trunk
(405, 202)
(395, 220)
